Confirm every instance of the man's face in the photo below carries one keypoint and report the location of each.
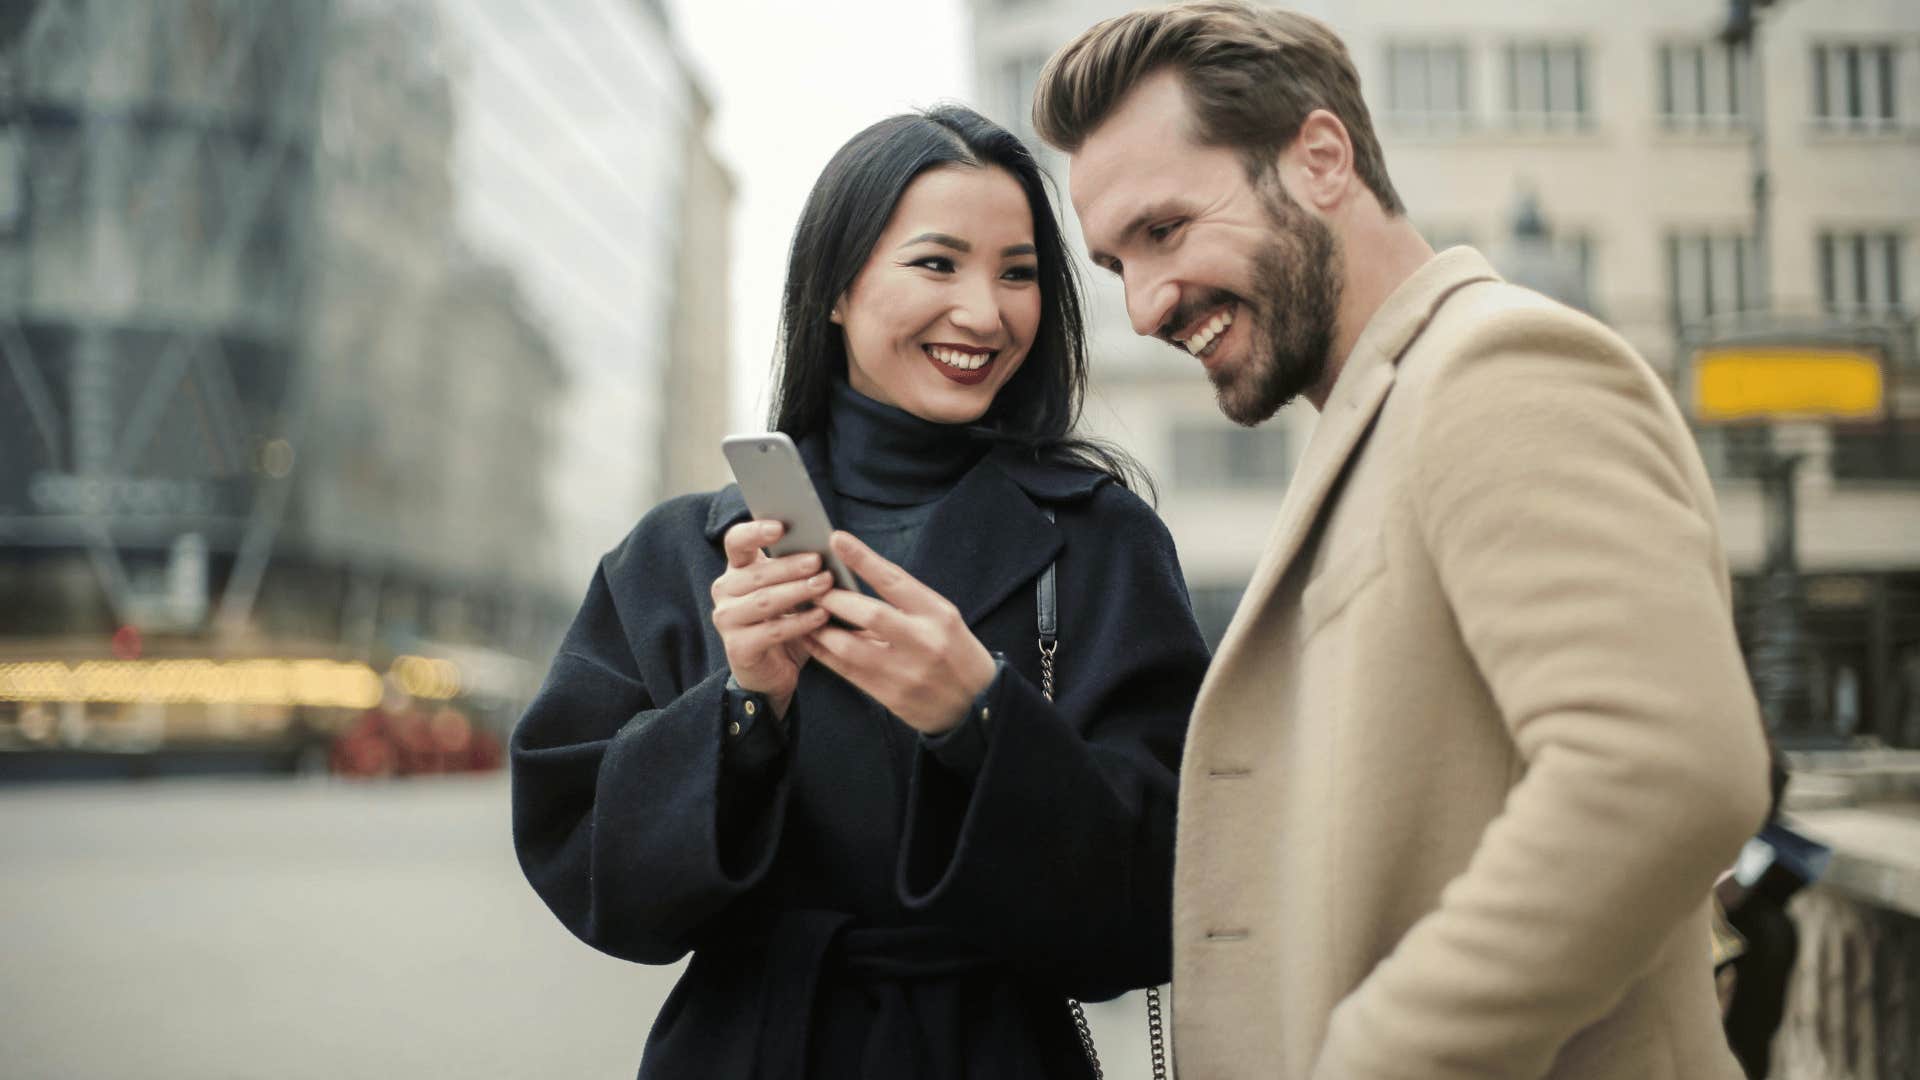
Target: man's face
(1225, 268)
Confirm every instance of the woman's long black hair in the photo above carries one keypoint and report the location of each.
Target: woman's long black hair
(850, 206)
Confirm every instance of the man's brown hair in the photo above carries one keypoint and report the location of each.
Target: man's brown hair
(1252, 74)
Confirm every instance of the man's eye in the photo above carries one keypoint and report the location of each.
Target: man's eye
(1159, 233)
(939, 264)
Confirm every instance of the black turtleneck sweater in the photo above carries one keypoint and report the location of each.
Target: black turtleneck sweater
(890, 468)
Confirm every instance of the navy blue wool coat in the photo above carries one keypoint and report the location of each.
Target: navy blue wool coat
(859, 909)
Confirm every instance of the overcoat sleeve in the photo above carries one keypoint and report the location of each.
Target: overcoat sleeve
(1058, 854)
(1560, 505)
(625, 819)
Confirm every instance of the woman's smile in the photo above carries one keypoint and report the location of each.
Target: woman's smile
(964, 364)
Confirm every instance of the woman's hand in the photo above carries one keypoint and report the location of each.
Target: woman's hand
(753, 608)
(914, 654)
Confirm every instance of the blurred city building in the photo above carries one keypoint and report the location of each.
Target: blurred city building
(335, 330)
(1604, 153)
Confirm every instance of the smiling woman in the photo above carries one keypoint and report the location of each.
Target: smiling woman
(893, 845)
(946, 307)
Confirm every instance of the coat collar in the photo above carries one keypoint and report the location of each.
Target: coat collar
(1358, 393)
(985, 539)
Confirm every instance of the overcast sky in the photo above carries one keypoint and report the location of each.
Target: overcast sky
(791, 82)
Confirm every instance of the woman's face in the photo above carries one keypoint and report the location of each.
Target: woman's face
(946, 307)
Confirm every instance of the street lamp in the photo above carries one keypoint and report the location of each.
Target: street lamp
(1741, 34)
(1530, 257)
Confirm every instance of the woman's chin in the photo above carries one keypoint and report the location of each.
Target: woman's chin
(952, 404)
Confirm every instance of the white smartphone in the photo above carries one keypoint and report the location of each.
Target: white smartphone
(777, 487)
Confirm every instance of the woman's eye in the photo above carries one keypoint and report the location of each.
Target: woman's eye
(939, 264)
(1022, 273)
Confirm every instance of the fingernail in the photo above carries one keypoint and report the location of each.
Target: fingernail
(820, 580)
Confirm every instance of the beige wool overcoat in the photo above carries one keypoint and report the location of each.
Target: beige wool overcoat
(1480, 737)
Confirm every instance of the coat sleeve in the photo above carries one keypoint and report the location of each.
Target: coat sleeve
(1058, 853)
(625, 819)
(1561, 504)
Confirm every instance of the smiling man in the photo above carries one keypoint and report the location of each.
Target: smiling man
(1480, 737)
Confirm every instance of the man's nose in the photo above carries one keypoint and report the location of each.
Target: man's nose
(1149, 303)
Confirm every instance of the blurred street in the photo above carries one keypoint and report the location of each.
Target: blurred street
(272, 929)
(208, 930)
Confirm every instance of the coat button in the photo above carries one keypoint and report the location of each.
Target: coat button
(733, 727)
(984, 711)
(750, 708)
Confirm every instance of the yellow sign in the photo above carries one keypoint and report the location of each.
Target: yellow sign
(1768, 383)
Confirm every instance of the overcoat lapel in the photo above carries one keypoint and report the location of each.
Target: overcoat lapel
(1357, 396)
(985, 540)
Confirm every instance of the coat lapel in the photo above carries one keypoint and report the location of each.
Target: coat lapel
(985, 540)
(1357, 395)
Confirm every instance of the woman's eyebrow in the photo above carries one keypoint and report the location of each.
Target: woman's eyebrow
(942, 239)
(1012, 250)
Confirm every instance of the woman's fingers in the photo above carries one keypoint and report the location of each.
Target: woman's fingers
(781, 629)
(744, 541)
(857, 658)
(739, 581)
(895, 586)
(864, 611)
(762, 604)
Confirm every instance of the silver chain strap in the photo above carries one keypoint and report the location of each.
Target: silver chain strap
(1156, 1026)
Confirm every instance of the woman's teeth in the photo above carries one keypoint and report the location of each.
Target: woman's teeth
(954, 358)
(1200, 342)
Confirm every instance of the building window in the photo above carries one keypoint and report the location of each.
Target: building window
(13, 179)
(1709, 274)
(1547, 85)
(1427, 85)
(1888, 451)
(1211, 455)
(1860, 271)
(1018, 78)
(1576, 252)
(1702, 85)
(1855, 86)
(1213, 608)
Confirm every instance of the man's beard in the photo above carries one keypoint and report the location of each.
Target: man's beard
(1296, 294)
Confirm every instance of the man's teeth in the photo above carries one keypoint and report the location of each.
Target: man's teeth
(954, 358)
(1198, 343)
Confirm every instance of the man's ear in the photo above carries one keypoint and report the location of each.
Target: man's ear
(1320, 160)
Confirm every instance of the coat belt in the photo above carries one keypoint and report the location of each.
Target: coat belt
(802, 944)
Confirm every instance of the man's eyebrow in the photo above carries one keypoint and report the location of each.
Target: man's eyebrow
(942, 239)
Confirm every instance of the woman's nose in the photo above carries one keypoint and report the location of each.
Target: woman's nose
(977, 309)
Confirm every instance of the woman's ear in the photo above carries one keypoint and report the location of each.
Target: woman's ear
(834, 315)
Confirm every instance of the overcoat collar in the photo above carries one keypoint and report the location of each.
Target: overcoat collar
(1358, 393)
(986, 538)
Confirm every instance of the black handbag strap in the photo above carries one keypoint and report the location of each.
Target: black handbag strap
(1047, 604)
